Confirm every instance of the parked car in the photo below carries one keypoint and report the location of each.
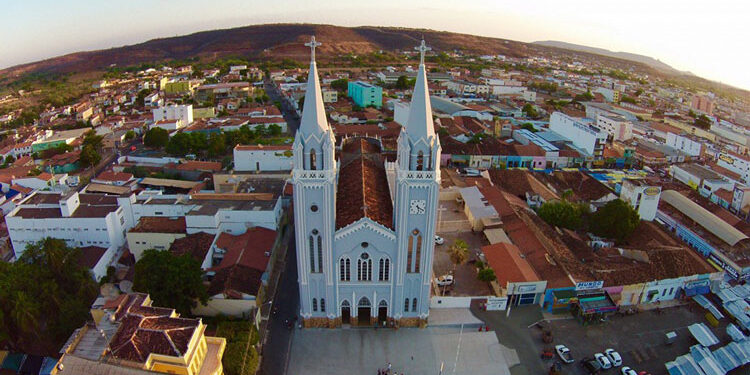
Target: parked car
(439, 240)
(628, 371)
(591, 365)
(564, 353)
(603, 360)
(470, 172)
(444, 280)
(614, 357)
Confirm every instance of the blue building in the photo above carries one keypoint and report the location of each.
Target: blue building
(365, 94)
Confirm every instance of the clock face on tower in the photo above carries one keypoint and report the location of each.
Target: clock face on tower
(417, 206)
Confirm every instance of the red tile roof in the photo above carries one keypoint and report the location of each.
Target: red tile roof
(90, 256)
(195, 165)
(363, 189)
(154, 224)
(505, 259)
(114, 176)
(244, 263)
(196, 244)
(146, 330)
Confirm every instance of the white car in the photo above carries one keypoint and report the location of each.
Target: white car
(628, 371)
(614, 357)
(439, 240)
(564, 353)
(603, 360)
(444, 280)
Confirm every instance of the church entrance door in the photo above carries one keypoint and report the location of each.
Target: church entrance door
(346, 314)
(382, 313)
(364, 311)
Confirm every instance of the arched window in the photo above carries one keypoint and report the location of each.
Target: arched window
(420, 161)
(312, 253)
(315, 304)
(406, 305)
(415, 251)
(384, 269)
(414, 305)
(364, 268)
(313, 159)
(320, 254)
(322, 305)
(344, 273)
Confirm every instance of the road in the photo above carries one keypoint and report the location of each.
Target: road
(289, 113)
(276, 349)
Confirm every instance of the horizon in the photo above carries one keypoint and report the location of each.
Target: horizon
(665, 34)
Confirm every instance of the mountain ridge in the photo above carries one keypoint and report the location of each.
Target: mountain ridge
(648, 60)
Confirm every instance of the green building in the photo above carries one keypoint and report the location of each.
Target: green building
(364, 94)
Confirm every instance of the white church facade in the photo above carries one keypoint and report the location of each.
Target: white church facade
(365, 226)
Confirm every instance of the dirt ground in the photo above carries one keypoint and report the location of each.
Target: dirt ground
(465, 276)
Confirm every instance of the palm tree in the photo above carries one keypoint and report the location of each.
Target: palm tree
(25, 312)
(459, 253)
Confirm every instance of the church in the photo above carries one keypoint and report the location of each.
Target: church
(365, 226)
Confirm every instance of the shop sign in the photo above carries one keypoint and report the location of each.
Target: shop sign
(496, 303)
(589, 285)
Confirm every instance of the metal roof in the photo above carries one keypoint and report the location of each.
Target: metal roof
(706, 219)
(702, 334)
(446, 106)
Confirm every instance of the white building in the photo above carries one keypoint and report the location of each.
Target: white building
(618, 127)
(586, 137)
(330, 96)
(685, 144)
(644, 198)
(79, 219)
(184, 113)
(608, 94)
(258, 158)
(739, 164)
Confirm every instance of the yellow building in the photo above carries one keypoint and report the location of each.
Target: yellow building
(129, 336)
(155, 233)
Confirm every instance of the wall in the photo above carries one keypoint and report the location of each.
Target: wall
(139, 242)
(229, 307)
(451, 302)
(266, 160)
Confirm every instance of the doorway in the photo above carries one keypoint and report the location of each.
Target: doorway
(346, 315)
(364, 311)
(382, 313)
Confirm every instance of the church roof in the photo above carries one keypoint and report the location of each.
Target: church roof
(363, 189)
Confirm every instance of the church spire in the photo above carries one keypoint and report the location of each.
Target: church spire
(419, 124)
(313, 112)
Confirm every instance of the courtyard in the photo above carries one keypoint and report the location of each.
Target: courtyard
(410, 351)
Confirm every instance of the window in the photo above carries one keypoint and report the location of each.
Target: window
(344, 269)
(312, 253)
(313, 156)
(414, 305)
(322, 305)
(420, 161)
(320, 254)
(384, 269)
(415, 247)
(364, 268)
(315, 304)
(406, 305)
(418, 252)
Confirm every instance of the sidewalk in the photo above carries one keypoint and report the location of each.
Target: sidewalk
(453, 317)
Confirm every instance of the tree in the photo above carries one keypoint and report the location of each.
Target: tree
(44, 296)
(92, 139)
(403, 83)
(584, 97)
(530, 110)
(274, 130)
(486, 275)
(562, 214)
(89, 156)
(9, 159)
(173, 281)
(129, 135)
(529, 126)
(216, 144)
(616, 220)
(340, 84)
(156, 138)
(703, 122)
(459, 253)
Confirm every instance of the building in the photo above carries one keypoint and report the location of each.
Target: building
(702, 103)
(685, 144)
(612, 96)
(585, 137)
(58, 139)
(182, 113)
(618, 127)
(155, 233)
(736, 163)
(365, 95)
(223, 90)
(259, 158)
(79, 219)
(130, 336)
(643, 197)
(364, 251)
(330, 96)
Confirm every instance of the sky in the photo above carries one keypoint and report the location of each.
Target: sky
(707, 38)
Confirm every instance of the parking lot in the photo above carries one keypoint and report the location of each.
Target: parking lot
(640, 338)
(465, 275)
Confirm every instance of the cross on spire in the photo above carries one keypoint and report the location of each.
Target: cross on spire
(422, 49)
(312, 44)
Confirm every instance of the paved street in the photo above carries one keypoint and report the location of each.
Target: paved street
(289, 114)
(411, 351)
(276, 350)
